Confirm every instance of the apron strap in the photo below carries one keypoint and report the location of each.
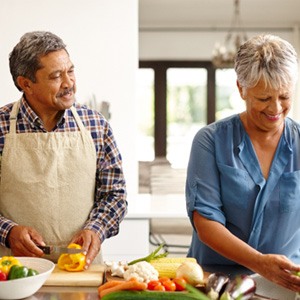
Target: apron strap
(13, 117)
(77, 119)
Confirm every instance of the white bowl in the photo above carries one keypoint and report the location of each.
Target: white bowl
(25, 287)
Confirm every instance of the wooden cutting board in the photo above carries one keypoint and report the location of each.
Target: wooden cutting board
(91, 277)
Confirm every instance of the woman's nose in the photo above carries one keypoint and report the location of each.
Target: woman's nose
(276, 106)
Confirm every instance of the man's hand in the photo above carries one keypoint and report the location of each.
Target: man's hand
(90, 243)
(23, 240)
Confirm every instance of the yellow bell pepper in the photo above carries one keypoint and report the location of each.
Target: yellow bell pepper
(72, 262)
(6, 262)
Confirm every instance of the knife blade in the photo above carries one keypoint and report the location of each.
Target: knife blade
(59, 250)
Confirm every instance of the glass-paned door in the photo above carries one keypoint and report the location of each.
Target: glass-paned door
(186, 111)
(228, 100)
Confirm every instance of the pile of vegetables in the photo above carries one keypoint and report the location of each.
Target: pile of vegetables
(11, 268)
(134, 289)
(159, 277)
(155, 267)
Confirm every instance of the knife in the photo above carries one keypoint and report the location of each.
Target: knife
(59, 250)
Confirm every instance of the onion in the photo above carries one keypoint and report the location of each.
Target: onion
(191, 272)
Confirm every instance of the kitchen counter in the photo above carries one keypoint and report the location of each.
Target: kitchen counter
(264, 288)
(65, 293)
(72, 285)
(151, 206)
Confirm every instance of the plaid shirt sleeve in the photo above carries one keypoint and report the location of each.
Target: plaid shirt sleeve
(5, 224)
(110, 204)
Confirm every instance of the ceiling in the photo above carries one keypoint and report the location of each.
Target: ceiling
(217, 14)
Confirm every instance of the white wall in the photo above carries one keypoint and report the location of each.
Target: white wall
(187, 45)
(102, 39)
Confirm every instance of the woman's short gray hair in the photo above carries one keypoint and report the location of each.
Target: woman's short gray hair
(24, 60)
(269, 58)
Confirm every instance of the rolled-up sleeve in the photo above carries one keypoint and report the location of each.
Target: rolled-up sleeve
(203, 184)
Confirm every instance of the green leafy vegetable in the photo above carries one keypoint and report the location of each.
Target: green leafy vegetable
(151, 256)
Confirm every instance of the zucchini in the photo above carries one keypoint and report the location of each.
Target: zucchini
(154, 295)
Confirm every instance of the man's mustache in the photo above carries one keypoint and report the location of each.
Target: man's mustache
(65, 92)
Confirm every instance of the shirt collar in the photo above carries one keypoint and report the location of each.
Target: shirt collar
(32, 118)
(283, 153)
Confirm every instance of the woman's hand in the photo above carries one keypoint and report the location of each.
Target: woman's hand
(280, 270)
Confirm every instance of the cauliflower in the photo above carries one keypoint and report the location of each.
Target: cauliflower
(142, 271)
(116, 268)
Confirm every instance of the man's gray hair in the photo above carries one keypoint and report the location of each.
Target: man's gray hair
(24, 60)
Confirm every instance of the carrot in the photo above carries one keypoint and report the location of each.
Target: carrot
(109, 284)
(132, 285)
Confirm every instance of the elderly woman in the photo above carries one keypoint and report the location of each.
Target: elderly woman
(243, 182)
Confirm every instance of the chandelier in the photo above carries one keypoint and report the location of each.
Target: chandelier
(223, 54)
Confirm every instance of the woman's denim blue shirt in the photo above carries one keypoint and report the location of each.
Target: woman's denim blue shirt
(225, 184)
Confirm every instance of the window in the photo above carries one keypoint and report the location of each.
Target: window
(186, 111)
(228, 100)
(177, 98)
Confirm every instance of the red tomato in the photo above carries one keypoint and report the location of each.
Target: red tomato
(152, 284)
(163, 279)
(180, 283)
(169, 285)
(159, 287)
(3, 276)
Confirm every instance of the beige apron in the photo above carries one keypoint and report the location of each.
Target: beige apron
(48, 181)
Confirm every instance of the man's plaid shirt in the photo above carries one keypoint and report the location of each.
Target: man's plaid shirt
(110, 205)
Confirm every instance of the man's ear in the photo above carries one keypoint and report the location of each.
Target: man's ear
(25, 84)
